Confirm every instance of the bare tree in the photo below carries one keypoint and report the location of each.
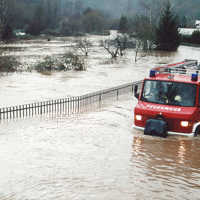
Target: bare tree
(140, 52)
(117, 46)
(106, 44)
(122, 42)
(84, 45)
(138, 47)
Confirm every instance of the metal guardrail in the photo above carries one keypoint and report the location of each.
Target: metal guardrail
(67, 106)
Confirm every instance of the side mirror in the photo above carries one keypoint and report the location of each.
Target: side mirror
(136, 94)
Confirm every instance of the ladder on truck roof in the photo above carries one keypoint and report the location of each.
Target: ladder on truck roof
(187, 67)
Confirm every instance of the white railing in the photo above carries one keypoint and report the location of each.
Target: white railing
(70, 105)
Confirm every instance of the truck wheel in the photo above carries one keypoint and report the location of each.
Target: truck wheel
(197, 131)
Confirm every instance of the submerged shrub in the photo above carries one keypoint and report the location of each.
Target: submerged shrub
(8, 64)
(74, 61)
(45, 65)
(68, 62)
(49, 64)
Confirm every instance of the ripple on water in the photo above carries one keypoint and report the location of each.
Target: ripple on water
(95, 155)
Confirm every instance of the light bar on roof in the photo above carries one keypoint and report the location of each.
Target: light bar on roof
(152, 73)
(194, 77)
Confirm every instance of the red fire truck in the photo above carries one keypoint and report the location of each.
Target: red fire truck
(169, 101)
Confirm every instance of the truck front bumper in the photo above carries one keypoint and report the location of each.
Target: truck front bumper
(168, 132)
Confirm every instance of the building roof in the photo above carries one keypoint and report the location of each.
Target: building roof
(187, 31)
(197, 22)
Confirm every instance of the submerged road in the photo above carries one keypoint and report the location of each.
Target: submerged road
(96, 155)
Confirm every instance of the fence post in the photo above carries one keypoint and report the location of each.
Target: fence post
(100, 100)
(73, 105)
(19, 111)
(76, 105)
(13, 108)
(70, 105)
(60, 105)
(9, 110)
(47, 106)
(71, 101)
(29, 110)
(132, 88)
(55, 105)
(78, 100)
(16, 111)
(63, 105)
(44, 107)
(4, 116)
(40, 108)
(36, 109)
(32, 108)
(6, 113)
(23, 107)
(22, 110)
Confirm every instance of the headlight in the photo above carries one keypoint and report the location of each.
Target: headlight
(138, 117)
(184, 123)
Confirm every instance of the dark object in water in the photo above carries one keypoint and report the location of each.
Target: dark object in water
(156, 127)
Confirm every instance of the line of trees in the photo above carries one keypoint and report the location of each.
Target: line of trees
(192, 39)
(160, 32)
(66, 17)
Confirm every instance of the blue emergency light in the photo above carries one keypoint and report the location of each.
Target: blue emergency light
(152, 73)
(194, 77)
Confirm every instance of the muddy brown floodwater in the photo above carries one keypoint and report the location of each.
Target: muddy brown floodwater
(96, 155)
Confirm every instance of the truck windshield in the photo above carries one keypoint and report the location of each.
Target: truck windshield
(169, 93)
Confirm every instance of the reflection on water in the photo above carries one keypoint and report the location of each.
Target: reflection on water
(96, 155)
(163, 54)
(170, 165)
(179, 151)
(21, 88)
(182, 152)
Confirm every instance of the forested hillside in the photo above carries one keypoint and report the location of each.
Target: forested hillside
(69, 17)
(116, 9)
(184, 8)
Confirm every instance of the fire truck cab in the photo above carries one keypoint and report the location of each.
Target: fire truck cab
(169, 101)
